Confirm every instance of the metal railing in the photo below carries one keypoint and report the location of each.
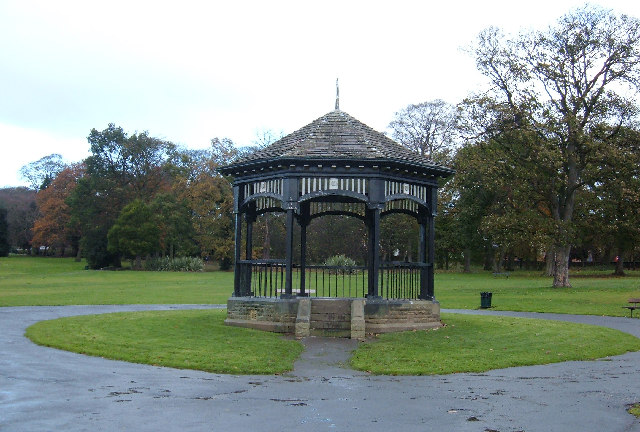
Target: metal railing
(266, 278)
(401, 280)
(262, 278)
(335, 281)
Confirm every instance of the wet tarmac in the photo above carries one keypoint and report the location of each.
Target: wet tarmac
(44, 389)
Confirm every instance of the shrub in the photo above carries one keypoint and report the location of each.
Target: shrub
(192, 264)
(341, 261)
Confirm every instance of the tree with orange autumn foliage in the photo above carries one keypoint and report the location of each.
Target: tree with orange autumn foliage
(210, 199)
(53, 227)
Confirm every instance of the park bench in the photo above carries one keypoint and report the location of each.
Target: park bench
(505, 274)
(634, 303)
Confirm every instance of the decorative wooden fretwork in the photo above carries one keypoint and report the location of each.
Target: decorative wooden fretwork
(395, 188)
(265, 203)
(403, 205)
(271, 187)
(329, 184)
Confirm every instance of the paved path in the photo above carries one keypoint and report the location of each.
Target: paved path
(43, 389)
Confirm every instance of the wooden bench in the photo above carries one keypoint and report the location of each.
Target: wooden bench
(634, 303)
(506, 274)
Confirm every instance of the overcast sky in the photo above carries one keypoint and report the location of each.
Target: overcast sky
(189, 71)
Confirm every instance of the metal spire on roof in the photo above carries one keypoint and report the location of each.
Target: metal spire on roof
(337, 95)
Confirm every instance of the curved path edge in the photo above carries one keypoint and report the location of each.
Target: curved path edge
(43, 389)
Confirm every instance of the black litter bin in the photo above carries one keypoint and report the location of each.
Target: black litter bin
(485, 300)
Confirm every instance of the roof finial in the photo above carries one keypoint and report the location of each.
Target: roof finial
(337, 95)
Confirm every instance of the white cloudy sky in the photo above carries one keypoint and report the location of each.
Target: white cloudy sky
(189, 71)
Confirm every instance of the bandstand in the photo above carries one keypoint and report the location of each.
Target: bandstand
(336, 165)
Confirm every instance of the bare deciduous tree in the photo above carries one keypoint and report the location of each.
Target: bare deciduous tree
(427, 128)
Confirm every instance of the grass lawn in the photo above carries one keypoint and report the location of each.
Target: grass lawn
(198, 340)
(480, 343)
(62, 281)
(596, 293)
(195, 339)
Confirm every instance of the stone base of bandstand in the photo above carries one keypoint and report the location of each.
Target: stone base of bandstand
(333, 317)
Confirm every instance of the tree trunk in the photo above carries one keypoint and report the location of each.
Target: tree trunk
(138, 262)
(548, 259)
(488, 260)
(561, 266)
(619, 270)
(508, 262)
(467, 261)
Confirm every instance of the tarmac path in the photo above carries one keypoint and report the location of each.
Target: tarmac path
(44, 389)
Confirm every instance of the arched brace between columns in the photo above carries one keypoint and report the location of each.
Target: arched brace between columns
(338, 213)
(406, 197)
(254, 198)
(328, 194)
(400, 211)
(271, 210)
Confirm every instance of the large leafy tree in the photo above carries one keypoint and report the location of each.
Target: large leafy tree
(560, 85)
(500, 205)
(53, 227)
(610, 207)
(209, 197)
(121, 168)
(22, 211)
(135, 233)
(175, 225)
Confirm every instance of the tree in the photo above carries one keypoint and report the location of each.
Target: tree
(500, 206)
(21, 213)
(40, 173)
(562, 84)
(174, 224)
(427, 128)
(265, 137)
(53, 227)
(121, 169)
(327, 236)
(611, 208)
(4, 233)
(209, 197)
(132, 166)
(134, 233)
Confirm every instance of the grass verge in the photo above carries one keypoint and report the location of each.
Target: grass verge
(480, 343)
(594, 294)
(37, 281)
(180, 339)
(199, 340)
(634, 409)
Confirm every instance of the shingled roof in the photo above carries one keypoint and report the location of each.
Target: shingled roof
(339, 136)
